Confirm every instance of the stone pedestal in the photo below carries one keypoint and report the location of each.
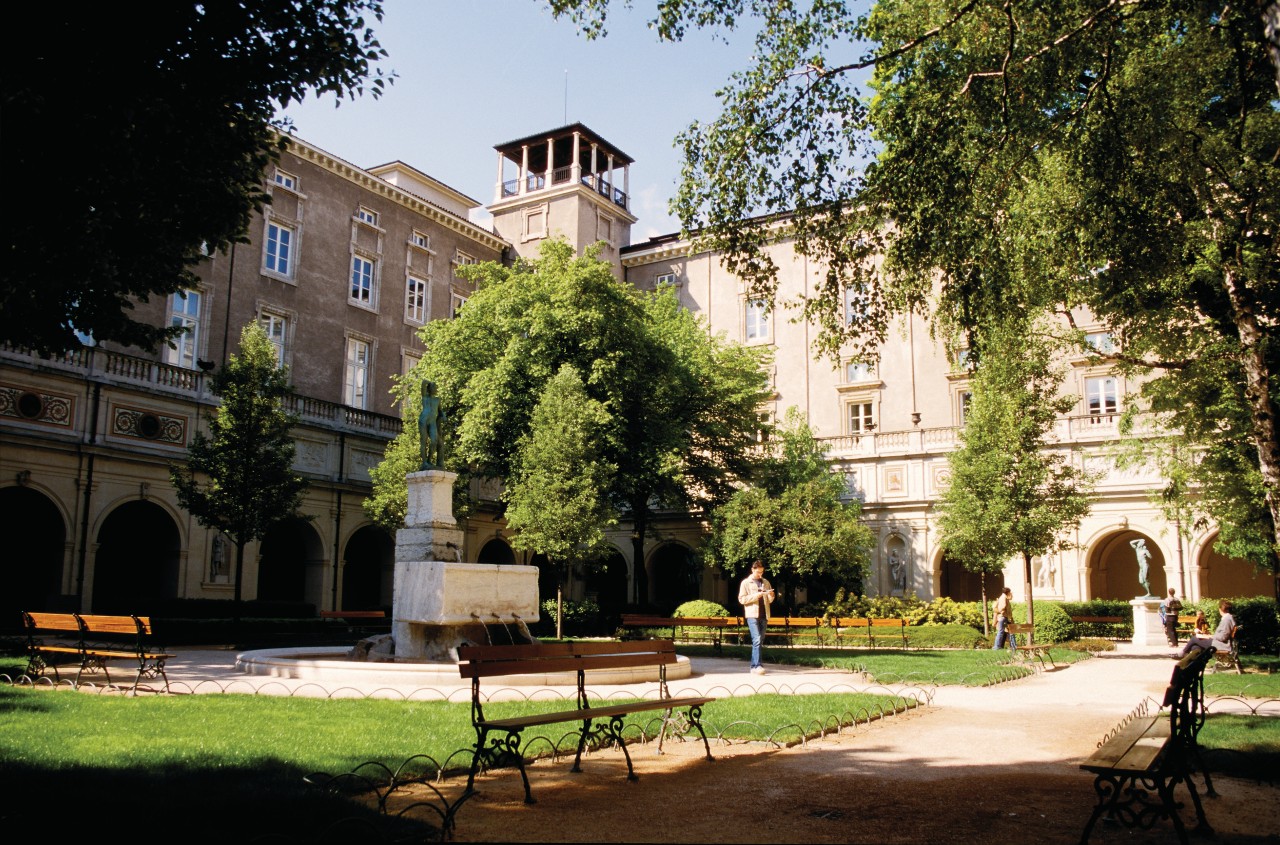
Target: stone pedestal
(440, 602)
(1147, 629)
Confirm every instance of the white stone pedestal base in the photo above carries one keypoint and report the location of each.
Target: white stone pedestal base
(1146, 622)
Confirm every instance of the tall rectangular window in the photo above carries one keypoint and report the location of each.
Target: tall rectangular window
(279, 252)
(276, 327)
(855, 306)
(757, 320)
(356, 381)
(456, 301)
(861, 420)
(415, 300)
(184, 313)
(1101, 397)
(361, 280)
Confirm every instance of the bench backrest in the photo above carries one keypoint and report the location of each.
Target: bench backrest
(802, 621)
(52, 622)
(851, 622)
(137, 625)
(1184, 696)
(353, 614)
(491, 661)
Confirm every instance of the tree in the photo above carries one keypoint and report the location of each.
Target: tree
(1010, 493)
(793, 519)
(1120, 156)
(556, 493)
(682, 405)
(138, 143)
(239, 479)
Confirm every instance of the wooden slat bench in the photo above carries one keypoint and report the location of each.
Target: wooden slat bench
(361, 621)
(476, 662)
(713, 629)
(1087, 624)
(1028, 649)
(90, 641)
(1150, 749)
(859, 630)
(794, 627)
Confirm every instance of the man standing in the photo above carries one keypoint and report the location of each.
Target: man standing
(755, 595)
(1004, 615)
(1169, 617)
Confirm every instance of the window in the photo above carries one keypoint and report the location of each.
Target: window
(855, 306)
(1100, 342)
(859, 371)
(965, 400)
(456, 301)
(364, 215)
(276, 326)
(1101, 397)
(362, 280)
(861, 420)
(356, 381)
(420, 240)
(286, 180)
(415, 300)
(665, 279)
(279, 251)
(461, 259)
(184, 313)
(757, 320)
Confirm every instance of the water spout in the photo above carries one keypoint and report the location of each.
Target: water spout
(457, 552)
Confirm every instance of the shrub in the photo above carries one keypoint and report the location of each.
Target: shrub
(700, 607)
(1101, 607)
(944, 611)
(581, 619)
(1053, 625)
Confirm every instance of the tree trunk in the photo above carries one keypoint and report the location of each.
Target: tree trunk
(1031, 610)
(639, 525)
(982, 586)
(559, 609)
(235, 603)
(1262, 409)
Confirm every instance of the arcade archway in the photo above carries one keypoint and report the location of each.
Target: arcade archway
(497, 552)
(676, 575)
(35, 540)
(367, 570)
(136, 566)
(290, 560)
(1113, 567)
(961, 584)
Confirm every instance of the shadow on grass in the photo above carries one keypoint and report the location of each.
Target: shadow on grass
(267, 803)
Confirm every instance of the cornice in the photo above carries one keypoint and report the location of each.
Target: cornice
(373, 184)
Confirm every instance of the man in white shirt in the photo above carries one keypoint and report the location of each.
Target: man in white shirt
(755, 595)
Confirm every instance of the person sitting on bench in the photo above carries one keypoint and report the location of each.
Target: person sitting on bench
(1221, 636)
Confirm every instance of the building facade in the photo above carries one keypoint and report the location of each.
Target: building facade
(343, 268)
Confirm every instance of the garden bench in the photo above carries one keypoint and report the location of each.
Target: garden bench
(1098, 620)
(91, 640)
(794, 627)
(1028, 649)
(1151, 750)
(476, 662)
(713, 629)
(854, 626)
(1186, 625)
(1229, 659)
(361, 621)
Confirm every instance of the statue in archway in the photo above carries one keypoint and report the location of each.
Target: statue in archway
(1144, 559)
(898, 571)
(429, 422)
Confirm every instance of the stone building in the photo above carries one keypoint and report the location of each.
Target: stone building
(342, 269)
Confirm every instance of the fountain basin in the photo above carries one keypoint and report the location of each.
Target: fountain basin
(329, 665)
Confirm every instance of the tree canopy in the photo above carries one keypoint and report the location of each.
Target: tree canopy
(1119, 156)
(136, 139)
(1010, 493)
(794, 519)
(239, 478)
(673, 410)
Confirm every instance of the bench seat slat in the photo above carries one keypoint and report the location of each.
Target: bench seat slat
(605, 712)
(548, 665)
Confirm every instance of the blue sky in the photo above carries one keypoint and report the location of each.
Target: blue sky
(475, 73)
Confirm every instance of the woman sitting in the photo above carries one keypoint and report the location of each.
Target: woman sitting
(1222, 635)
